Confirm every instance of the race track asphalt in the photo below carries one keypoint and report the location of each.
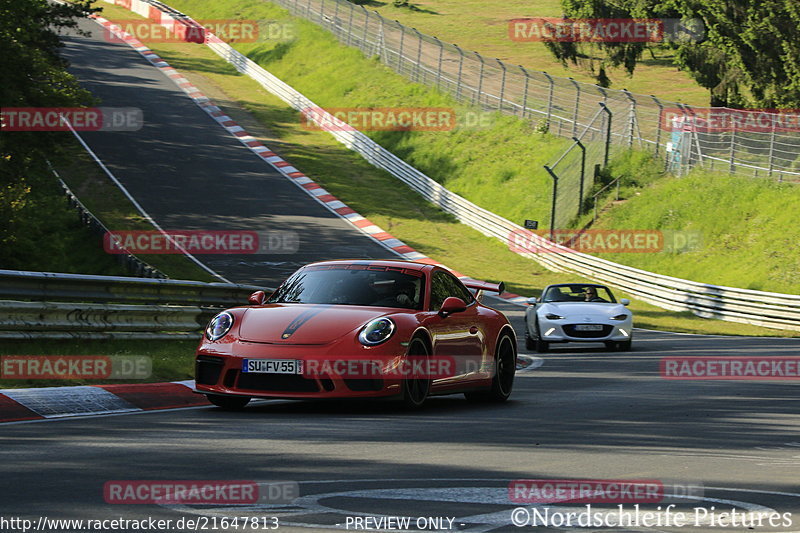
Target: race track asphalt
(189, 173)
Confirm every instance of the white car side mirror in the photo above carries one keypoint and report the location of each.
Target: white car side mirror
(624, 301)
(533, 300)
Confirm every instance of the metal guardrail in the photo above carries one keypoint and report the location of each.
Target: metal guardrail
(767, 309)
(61, 306)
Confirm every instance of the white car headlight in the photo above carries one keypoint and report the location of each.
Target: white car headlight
(553, 316)
(376, 331)
(622, 316)
(219, 326)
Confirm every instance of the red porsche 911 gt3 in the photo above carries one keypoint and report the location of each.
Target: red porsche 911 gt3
(360, 329)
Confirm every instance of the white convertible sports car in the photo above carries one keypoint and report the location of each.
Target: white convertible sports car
(578, 312)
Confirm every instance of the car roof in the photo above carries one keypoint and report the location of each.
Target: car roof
(412, 265)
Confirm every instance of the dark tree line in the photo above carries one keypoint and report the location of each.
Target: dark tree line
(750, 57)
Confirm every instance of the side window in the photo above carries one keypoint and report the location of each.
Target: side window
(444, 285)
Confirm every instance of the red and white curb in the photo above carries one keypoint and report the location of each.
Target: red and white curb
(61, 402)
(313, 189)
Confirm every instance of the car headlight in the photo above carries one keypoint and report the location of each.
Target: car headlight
(219, 326)
(622, 316)
(553, 316)
(376, 331)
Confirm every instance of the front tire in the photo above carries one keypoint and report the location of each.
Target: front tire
(229, 403)
(505, 360)
(415, 390)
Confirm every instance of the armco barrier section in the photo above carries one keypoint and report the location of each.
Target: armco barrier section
(58, 306)
(767, 309)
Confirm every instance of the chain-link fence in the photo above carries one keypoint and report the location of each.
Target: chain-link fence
(574, 171)
(565, 106)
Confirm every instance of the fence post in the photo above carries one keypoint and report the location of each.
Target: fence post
(577, 104)
(659, 123)
(419, 55)
(380, 45)
(502, 84)
(549, 99)
(608, 132)
(733, 147)
(308, 10)
(460, 68)
(365, 36)
(350, 22)
(480, 78)
(553, 203)
(772, 147)
(322, 13)
(335, 16)
(583, 174)
(439, 65)
(604, 94)
(631, 116)
(400, 52)
(524, 91)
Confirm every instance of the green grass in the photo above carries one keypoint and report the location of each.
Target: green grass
(171, 360)
(748, 229)
(482, 25)
(395, 208)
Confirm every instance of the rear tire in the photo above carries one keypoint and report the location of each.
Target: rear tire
(229, 403)
(415, 391)
(505, 359)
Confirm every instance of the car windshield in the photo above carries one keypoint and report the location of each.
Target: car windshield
(376, 286)
(579, 293)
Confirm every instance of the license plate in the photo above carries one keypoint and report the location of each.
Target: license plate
(272, 366)
(589, 327)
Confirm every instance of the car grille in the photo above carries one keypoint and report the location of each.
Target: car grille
(207, 369)
(276, 382)
(570, 330)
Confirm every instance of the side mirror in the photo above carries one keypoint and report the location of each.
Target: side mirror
(624, 301)
(257, 298)
(452, 305)
(533, 300)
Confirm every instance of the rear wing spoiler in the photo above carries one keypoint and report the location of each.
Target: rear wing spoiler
(477, 285)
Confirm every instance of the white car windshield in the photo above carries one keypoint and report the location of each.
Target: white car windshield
(578, 293)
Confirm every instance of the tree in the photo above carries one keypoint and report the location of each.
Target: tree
(34, 75)
(750, 56)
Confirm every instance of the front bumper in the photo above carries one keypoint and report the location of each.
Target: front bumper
(221, 373)
(555, 332)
